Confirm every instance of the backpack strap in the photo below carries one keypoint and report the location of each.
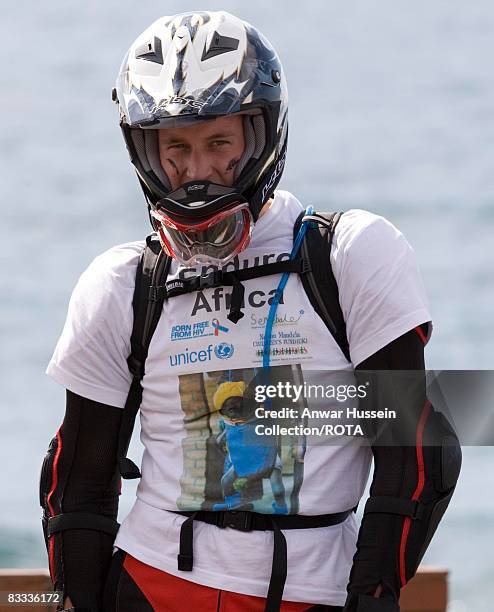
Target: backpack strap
(147, 304)
(319, 281)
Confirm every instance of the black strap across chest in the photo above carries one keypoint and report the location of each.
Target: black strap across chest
(234, 278)
(218, 278)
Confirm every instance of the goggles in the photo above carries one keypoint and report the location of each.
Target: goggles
(214, 240)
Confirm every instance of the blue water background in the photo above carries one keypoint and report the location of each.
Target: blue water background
(391, 110)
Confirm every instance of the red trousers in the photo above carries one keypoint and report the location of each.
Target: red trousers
(137, 587)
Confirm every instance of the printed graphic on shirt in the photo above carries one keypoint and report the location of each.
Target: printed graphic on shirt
(233, 265)
(228, 465)
(189, 357)
(220, 299)
(292, 318)
(209, 302)
(199, 329)
(283, 343)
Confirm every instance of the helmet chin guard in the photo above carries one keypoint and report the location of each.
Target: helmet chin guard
(198, 200)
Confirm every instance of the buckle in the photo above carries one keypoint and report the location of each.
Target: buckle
(241, 520)
(212, 279)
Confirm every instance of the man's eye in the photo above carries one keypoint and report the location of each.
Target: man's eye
(220, 143)
(177, 146)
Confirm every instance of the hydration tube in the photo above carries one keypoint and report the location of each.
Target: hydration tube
(279, 292)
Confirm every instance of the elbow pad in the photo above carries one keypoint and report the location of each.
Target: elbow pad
(438, 463)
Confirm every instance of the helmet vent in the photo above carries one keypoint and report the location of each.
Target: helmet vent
(219, 44)
(150, 51)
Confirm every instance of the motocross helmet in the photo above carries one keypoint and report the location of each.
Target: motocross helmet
(196, 67)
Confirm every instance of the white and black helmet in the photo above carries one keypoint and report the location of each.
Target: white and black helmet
(194, 66)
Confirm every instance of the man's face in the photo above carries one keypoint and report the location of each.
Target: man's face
(207, 151)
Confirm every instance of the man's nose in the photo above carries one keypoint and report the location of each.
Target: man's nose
(198, 166)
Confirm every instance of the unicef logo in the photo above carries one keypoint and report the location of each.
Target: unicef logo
(224, 350)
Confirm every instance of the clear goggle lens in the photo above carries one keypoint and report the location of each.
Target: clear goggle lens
(212, 241)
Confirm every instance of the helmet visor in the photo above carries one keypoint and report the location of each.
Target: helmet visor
(212, 241)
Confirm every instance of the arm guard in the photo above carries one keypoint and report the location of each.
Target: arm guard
(79, 489)
(412, 485)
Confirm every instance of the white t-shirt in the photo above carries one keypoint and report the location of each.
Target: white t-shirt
(194, 456)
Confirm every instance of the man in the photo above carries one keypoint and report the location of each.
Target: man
(203, 109)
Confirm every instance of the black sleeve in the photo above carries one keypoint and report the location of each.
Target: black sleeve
(376, 562)
(417, 461)
(79, 475)
(404, 353)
